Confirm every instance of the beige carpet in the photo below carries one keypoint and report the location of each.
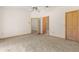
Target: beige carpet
(37, 43)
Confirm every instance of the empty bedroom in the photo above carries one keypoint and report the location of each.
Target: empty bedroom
(39, 29)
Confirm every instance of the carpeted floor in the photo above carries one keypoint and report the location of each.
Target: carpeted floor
(37, 43)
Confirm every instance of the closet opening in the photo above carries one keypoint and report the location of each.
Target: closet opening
(35, 25)
(40, 25)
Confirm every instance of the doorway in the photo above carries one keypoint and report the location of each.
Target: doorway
(35, 25)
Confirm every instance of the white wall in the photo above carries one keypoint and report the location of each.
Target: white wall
(1, 15)
(16, 21)
(0, 22)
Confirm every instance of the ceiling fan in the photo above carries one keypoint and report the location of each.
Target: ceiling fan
(36, 8)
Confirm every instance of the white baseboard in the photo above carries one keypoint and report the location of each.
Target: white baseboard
(60, 36)
(7, 36)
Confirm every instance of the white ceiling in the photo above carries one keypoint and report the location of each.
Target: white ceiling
(30, 8)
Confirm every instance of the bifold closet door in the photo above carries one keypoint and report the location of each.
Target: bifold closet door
(69, 26)
(72, 25)
(75, 25)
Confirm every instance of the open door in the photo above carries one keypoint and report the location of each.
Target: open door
(45, 26)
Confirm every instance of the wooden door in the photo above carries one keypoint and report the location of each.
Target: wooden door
(78, 29)
(72, 25)
(75, 25)
(44, 25)
(69, 23)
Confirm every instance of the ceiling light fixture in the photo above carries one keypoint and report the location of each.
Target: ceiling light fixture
(37, 8)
